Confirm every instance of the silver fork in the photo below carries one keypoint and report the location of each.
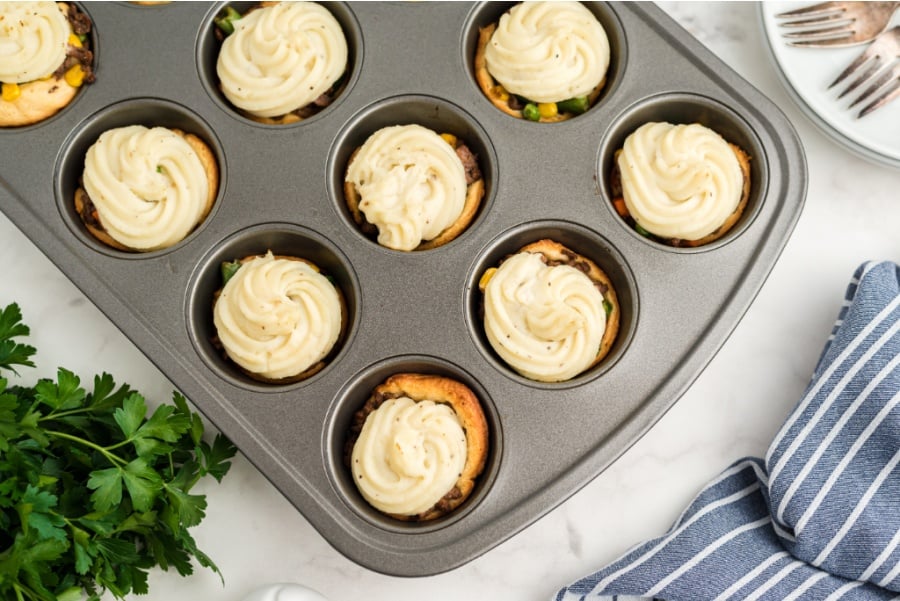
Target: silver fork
(879, 64)
(837, 24)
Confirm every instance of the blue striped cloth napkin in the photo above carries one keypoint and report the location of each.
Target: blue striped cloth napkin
(819, 518)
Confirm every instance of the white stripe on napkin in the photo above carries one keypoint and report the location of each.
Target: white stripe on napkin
(774, 580)
(861, 440)
(879, 561)
(727, 593)
(709, 550)
(674, 534)
(826, 404)
(811, 394)
(806, 586)
(843, 590)
(860, 507)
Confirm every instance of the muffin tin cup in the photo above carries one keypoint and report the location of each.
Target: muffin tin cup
(282, 240)
(430, 112)
(487, 13)
(148, 112)
(281, 190)
(581, 240)
(207, 52)
(354, 395)
(94, 47)
(684, 109)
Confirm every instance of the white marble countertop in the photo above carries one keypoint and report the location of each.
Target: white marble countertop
(733, 409)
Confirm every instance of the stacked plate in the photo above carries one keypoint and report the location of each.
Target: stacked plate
(807, 73)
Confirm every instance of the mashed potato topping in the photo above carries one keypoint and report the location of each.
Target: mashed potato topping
(679, 181)
(548, 51)
(281, 58)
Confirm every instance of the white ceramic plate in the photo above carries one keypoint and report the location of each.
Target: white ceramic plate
(807, 73)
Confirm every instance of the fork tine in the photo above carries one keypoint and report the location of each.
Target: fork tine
(809, 11)
(826, 18)
(844, 29)
(870, 71)
(876, 85)
(893, 91)
(856, 64)
(822, 42)
(812, 24)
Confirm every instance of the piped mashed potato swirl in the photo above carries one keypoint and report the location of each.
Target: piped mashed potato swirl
(277, 317)
(281, 58)
(411, 183)
(408, 455)
(33, 40)
(546, 321)
(548, 51)
(148, 185)
(679, 181)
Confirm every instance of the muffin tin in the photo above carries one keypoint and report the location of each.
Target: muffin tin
(418, 311)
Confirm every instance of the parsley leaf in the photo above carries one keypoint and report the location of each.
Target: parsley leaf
(11, 352)
(95, 488)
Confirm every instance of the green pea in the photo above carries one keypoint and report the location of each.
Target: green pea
(531, 112)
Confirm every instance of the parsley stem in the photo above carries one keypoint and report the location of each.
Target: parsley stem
(19, 591)
(53, 415)
(113, 458)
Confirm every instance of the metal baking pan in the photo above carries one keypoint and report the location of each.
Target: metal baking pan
(281, 189)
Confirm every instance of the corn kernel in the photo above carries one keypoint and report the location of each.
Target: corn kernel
(486, 277)
(74, 76)
(501, 93)
(547, 109)
(11, 91)
(449, 139)
(74, 40)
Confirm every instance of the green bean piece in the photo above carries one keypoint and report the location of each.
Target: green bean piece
(607, 307)
(229, 268)
(642, 231)
(531, 112)
(225, 20)
(576, 106)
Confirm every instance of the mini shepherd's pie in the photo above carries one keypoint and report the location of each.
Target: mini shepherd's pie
(45, 58)
(543, 61)
(683, 185)
(549, 312)
(146, 188)
(281, 62)
(412, 188)
(417, 446)
(278, 317)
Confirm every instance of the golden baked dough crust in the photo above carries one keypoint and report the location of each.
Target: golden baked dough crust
(440, 389)
(88, 213)
(615, 184)
(489, 85)
(311, 370)
(474, 195)
(39, 99)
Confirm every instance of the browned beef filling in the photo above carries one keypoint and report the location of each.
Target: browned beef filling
(88, 211)
(470, 163)
(573, 260)
(81, 25)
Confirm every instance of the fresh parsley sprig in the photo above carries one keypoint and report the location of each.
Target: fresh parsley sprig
(93, 491)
